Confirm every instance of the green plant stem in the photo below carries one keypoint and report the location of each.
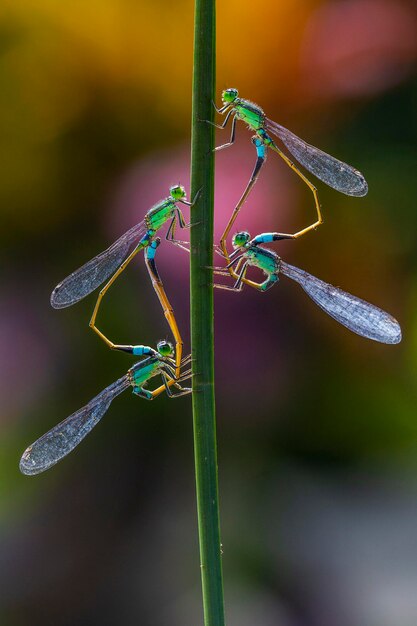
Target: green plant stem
(202, 331)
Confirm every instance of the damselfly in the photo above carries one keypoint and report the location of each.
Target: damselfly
(63, 438)
(328, 169)
(357, 315)
(113, 261)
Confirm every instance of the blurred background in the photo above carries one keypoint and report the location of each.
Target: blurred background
(317, 428)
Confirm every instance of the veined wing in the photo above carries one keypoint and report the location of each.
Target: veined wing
(359, 316)
(91, 275)
(331, 171)
(63, 438)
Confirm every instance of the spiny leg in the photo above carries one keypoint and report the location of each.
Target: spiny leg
(169, 391)
(238, 256)
(186, 360)
(170, 236)
(241, 275)
(183, 390)
(168, 382)
(310, 185)
(103, 292)
(192, 203)
(222, 109)
(240, 271)
(226, 272)
(232, 134)
(185, 375)
(223, 125)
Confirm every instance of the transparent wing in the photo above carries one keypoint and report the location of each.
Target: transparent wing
(63, 438)
(331, 171)
(359, 316)
(88, 277)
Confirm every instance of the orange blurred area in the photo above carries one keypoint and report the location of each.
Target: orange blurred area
(317, 427)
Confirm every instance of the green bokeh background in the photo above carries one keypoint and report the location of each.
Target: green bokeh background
(317, 428)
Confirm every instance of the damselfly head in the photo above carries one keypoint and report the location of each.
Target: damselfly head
(177, 192)
(229, 95)
(165, 348)
(240, 239)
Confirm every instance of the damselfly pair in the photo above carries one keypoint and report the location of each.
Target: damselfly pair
(166, 361)
(355, 314)
(359, 316)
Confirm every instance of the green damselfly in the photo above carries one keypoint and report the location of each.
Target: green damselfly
(65, 436)
(113, 261)
(355, 314)
(327, 168)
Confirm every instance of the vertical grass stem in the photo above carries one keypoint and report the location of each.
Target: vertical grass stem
(202, 331)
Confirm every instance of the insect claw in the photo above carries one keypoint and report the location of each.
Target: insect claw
(218, 270)
(219, 250)
(198, 194)
(186, 360)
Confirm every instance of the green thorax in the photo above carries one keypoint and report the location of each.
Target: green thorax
(160, 213)
(266, 260)
(250, 113)
(143, 371)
